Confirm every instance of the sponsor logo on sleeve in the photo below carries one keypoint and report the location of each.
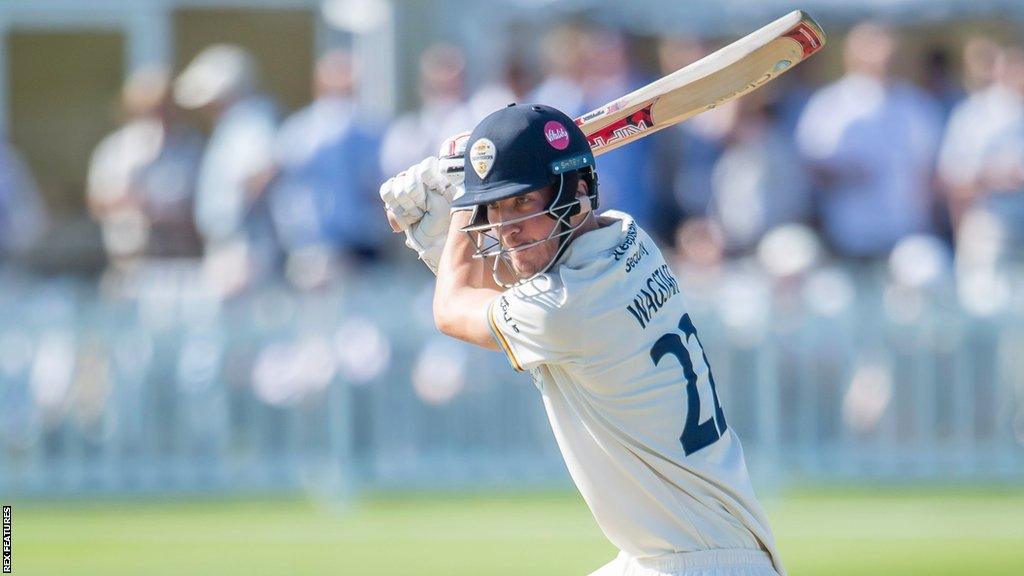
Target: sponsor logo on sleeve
(624, 247)
(634, 259)
(506, 316)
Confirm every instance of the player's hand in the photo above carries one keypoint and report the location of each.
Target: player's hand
(426, 224)
(405, 195)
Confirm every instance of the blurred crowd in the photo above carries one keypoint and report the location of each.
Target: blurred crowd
(261, 195)
(855, 167)
(778, 207)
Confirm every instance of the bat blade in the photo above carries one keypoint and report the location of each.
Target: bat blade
(718, 78)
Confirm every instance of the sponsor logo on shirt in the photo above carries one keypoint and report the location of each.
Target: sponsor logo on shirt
(537, 377)
(658, 288)
(635, 257)
(623, 248)
(504, 305)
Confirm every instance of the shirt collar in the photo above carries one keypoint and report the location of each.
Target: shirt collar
(612, 230)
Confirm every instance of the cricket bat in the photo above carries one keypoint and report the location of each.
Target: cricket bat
(718, 78)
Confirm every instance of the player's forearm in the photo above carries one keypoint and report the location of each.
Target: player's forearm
(462, 270)
(457, 268)
(460, 299)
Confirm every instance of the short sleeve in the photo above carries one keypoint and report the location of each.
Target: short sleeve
(534, 324)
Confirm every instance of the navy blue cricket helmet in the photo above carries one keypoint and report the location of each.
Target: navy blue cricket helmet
(516, 150)
(522, 148)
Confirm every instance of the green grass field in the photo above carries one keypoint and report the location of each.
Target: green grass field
(884, 532)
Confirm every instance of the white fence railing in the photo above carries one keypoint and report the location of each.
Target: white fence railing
(175, 391)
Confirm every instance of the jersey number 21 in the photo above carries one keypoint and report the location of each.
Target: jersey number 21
(696, 434)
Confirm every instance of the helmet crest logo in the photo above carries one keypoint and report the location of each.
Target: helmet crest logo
(481, 157)
(556, 135)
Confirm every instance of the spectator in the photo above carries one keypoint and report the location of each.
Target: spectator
(1002, 170)
(795, 90)
(141, 177)
(23, 218)
(756, 184)
(991, 106)
(990, 239)
(870, 141)
(419, 134)
(564, 71)
(221, 83)
(627, 173)
(687, 152)
(513, 86)
(325, 195)
(939, 81)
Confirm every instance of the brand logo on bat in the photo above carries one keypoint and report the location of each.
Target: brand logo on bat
(556, 135)
(635, 123)
(590, 116)
(481, 157)
(806, 37)
(595, 114)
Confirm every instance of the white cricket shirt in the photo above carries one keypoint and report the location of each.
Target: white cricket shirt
(630, 397)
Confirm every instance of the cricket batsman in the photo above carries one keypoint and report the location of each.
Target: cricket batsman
(586, 303)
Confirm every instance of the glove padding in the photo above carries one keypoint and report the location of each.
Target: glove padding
(427, 234)
(405, 195)
(427, 237)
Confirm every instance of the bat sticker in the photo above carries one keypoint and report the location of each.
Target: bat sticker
(807, 38)
(639, 121)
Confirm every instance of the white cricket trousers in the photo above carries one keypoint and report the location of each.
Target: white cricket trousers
(702, 563)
